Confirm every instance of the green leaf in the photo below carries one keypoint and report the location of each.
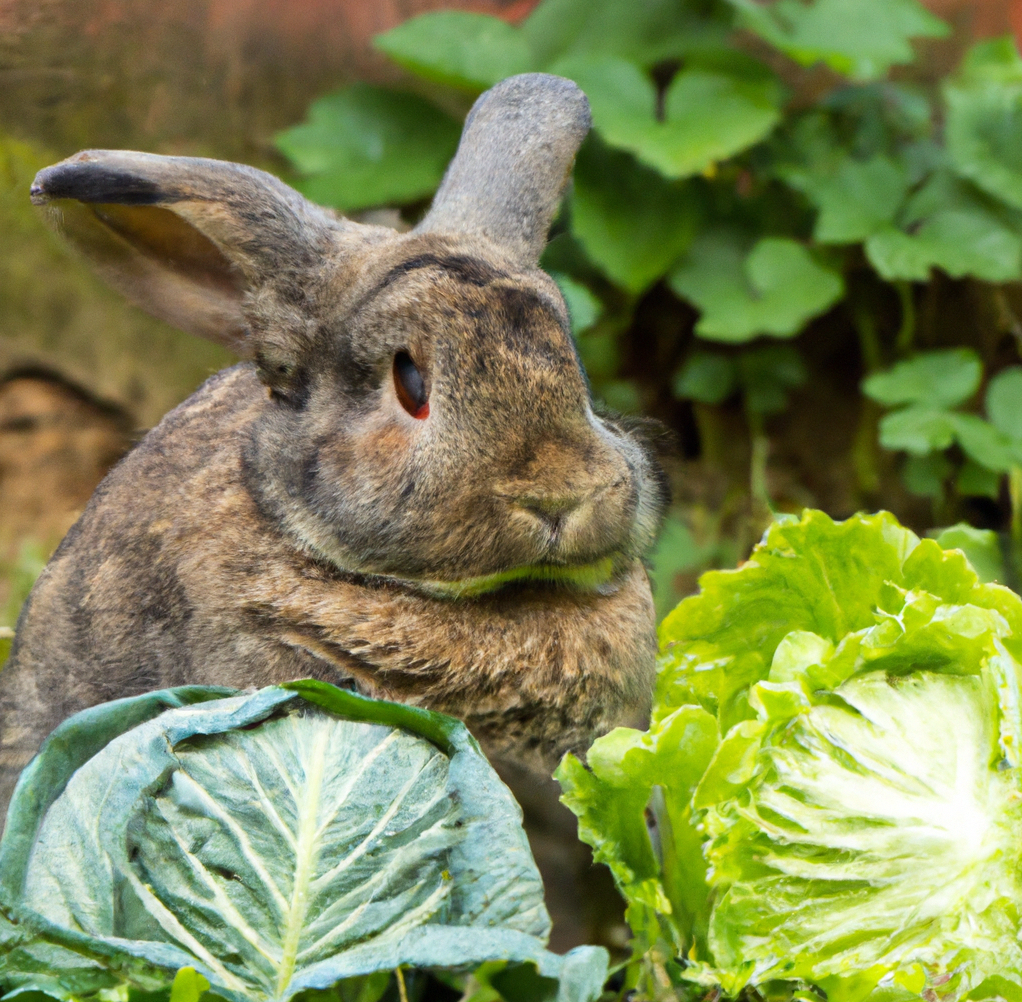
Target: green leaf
(647, 32)
(858, 792)
(933, 379)
(858, 199)
(583, 307)
(1004, 402)
(917, 430)
(982, 442)
(706, 377)
(710, 112)
(610, 803)
(364, 146)
(632, 222)
(734, 625)
(273, 846)
(959, 242)
(860, 38)
(773, 289)
(458, 48)
(981, 547)
(188, 985)
(949, 224)
(984, 119)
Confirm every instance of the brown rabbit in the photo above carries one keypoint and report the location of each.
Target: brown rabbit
(404, 490)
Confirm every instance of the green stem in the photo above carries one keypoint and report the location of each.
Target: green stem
(1015, 493)
(907, 333)
(759, 451)
(869, 343)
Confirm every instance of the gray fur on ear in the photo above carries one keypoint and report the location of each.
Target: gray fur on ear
(512, 164)
(186, 238)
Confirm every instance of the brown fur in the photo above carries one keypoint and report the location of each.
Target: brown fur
(292, 519)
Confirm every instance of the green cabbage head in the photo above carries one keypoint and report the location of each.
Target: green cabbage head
(831, 775)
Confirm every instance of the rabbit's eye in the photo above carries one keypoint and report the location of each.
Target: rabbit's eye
(410, 386)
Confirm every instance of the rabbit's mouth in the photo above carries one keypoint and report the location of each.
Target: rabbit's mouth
(597, 576)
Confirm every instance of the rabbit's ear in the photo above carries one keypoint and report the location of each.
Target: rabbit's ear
(512, 164)
(185, 238)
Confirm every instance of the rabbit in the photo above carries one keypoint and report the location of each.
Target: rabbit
(403, 489)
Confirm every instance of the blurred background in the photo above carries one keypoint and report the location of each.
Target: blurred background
(794, 236)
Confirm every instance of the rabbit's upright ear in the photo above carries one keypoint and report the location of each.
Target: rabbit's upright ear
(514, 159)
(185, 238)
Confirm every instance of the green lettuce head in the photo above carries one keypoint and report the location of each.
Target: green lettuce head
(833, 767)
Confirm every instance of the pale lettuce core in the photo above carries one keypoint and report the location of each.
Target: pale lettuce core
(842, 812)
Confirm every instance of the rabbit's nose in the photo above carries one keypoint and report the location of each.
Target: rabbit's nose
(549, 507)
(551, 511)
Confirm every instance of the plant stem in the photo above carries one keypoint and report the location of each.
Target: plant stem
(864, 448)
(1015, 494)
(759, 451)
(907, 333)
(869, 344)
(401, 989)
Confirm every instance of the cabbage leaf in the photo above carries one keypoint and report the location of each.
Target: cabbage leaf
(274, 842)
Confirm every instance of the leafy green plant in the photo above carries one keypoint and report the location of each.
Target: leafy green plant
(274, 843)
(833, 767)
(928, 390)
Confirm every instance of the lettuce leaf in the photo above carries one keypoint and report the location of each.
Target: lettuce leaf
(856, 830)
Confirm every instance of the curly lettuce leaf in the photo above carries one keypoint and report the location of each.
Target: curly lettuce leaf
(856, 830)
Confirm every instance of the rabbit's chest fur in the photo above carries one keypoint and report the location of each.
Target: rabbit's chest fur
(160, 586)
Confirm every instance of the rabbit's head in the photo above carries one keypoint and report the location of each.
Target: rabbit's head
(426, 418)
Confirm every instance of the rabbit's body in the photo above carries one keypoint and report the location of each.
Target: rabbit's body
(406, 490)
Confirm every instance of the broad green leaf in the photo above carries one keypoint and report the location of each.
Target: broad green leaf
(459, 48)
(583, 307)
(959, 242)
(982, 442)
(934, 379)
(1004, 402)
(710, 112)
(981, 547)
(364, 146)
(610, 803)
(860, 38)
(706, 377)
(918, 429)
(858, 199)
(733, 626)
(775, 288)
(984, 119)
(951, 225)
(272, 846)
(633, 222)
(644, 31)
